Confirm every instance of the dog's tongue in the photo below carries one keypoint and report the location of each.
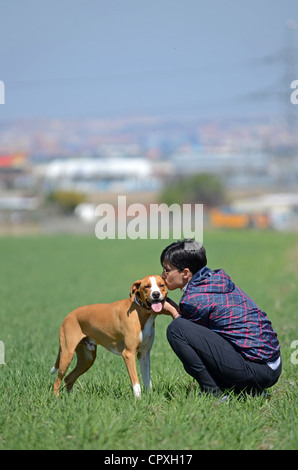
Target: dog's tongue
(156, 307)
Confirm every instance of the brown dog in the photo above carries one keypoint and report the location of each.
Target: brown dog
(125, 327)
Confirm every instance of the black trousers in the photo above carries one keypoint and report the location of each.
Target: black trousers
(214, 363)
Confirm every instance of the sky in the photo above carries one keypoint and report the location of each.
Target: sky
(103, 58)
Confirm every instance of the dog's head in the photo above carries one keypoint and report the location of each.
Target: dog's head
(150, 292)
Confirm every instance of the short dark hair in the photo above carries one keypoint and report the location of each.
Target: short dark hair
(186, 253)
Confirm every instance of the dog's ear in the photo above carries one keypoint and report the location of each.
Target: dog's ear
(134, 288)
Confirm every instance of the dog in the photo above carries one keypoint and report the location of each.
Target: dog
(124, 327)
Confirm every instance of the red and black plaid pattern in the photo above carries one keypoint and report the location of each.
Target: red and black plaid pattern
(214, 301)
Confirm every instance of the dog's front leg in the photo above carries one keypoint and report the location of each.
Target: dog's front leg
(130, 362)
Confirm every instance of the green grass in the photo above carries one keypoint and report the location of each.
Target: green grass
(43, 278)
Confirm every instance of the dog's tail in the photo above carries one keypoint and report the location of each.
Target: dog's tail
(56, 366)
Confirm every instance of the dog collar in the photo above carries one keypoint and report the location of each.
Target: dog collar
(140, 304)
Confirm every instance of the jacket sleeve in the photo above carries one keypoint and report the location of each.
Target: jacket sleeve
(194, 308)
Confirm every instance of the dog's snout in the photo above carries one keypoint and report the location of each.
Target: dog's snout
(156, 295)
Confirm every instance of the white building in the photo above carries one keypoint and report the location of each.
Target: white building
(99, 174)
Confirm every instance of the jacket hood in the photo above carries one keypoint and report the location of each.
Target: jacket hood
(207, 281)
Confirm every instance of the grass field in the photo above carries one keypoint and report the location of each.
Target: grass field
(43, 278)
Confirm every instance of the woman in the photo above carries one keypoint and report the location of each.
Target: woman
(223, 339)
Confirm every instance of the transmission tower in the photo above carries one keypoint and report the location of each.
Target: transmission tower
(281, 90)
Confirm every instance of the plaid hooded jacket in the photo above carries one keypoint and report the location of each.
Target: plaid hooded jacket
(212, 300)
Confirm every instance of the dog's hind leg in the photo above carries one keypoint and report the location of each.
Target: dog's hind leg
(65, 360)
(86, 355)
(56, 366)
(70, 335)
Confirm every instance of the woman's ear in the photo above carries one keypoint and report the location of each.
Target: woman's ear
(187, 274)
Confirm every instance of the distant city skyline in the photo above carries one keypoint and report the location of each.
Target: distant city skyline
(99, 58)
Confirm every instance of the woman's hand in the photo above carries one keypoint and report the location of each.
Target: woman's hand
(171, 308)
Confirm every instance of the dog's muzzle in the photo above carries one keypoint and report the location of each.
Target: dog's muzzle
(155, 305)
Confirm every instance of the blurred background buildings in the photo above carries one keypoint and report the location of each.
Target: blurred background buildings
(106, 100)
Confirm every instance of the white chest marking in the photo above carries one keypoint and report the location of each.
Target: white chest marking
(148, 331)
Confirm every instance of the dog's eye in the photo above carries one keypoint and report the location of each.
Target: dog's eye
(147, 287)
(161, 285)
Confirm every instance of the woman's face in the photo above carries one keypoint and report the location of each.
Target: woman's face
(174, 278)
